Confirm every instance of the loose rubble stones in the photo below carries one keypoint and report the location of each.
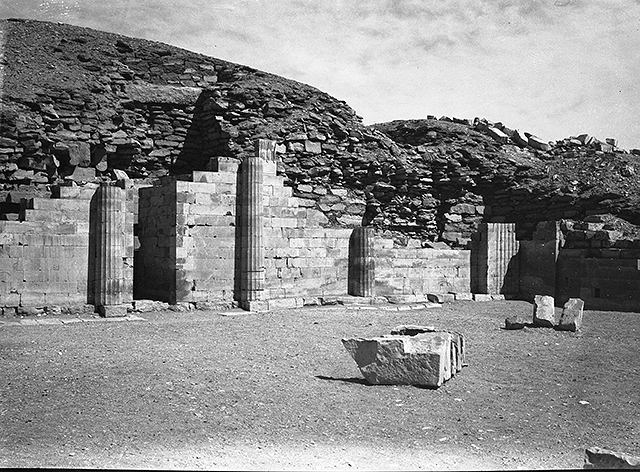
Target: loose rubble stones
(427, 358)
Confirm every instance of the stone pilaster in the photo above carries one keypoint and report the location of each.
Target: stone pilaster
(252, 269)
(110, 251)
(361, 263)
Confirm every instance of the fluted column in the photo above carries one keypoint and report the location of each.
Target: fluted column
(361, 262)
(109, 251)
(498, 258)
(252, 269)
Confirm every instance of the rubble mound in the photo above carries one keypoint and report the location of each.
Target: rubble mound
(82, 105)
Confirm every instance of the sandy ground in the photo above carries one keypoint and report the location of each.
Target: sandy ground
(202, 390)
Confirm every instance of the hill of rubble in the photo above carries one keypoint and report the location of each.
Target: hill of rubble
(79, 104)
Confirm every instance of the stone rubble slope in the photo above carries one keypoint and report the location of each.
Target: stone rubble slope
(78, 105)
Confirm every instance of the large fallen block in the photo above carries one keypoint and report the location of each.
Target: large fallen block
(572, 312)
(414, 356)
(544, 314)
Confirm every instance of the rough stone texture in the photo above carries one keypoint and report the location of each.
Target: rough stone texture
(571, 318)
(598, 458)
(426, 359)
(544, 314)
(152, 110)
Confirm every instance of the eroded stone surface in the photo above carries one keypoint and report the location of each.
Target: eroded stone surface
(571, 318)
(426, 359)
(544, 314)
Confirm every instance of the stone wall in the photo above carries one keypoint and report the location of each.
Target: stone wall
(189, 238)
(603, 284)
(47, 256)
(414, 271)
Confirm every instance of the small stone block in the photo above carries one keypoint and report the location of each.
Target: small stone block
(571, 318)
(27, 322)
(256, 305)
(440, 297)
(463, 296)
(482, 297)
(112, 311)
(131, 317)
(544, 314)
(514, 322)
(49, 321)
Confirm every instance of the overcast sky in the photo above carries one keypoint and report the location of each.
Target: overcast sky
(554, 68)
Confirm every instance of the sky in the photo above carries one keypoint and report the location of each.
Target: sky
(554, 68)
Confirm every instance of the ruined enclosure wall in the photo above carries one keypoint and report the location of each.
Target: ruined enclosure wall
(603, 284)
(302, 259)
(419, 271)
(537, 261)
(45, 258)
(156, 257)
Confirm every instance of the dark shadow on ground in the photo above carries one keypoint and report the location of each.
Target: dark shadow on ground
(355, 380)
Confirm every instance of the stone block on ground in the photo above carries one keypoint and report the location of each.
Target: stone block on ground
(145, 306)
(113, 311)
(571, 318)
(412, 330)
(440, 297)
(598, 458)
(515, 322)
(544, 313)
(424, 359)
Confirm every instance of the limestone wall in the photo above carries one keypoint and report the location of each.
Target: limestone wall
(420, 271)
(46, 256)
(302, 258)
(603, 284)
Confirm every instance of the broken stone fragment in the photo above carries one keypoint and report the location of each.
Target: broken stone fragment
(498, 135)
(519, 138)
(514, 322)
(538, 143)
(544, 314)
(426, 359)
(598, 458)
(412, 330)
(571, 318)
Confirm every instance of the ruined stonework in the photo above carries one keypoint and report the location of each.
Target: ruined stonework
(48, 256)
(425, 357)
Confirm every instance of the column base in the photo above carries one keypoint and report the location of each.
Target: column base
(112, 311)
(255, 305)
